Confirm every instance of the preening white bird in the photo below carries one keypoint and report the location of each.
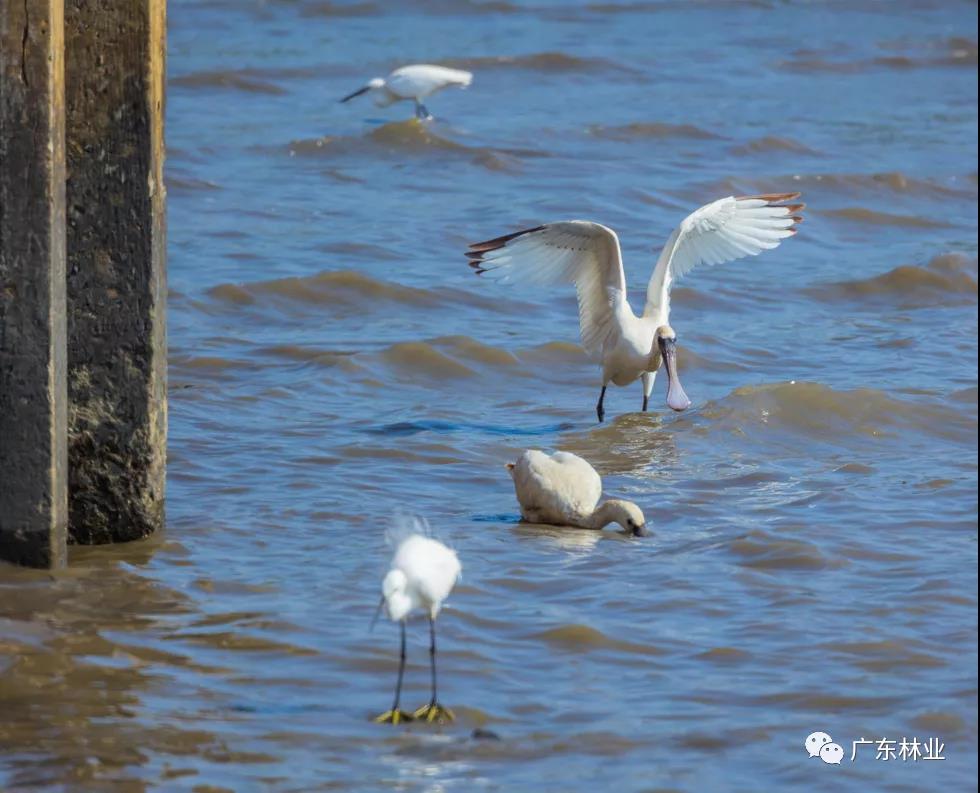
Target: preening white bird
(587, 255)
(564, 490)
(415, 83)
(423, 573)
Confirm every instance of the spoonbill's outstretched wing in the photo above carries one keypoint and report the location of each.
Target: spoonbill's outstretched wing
(721, 231)
(570, 251)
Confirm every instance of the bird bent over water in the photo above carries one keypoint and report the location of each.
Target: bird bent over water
(587, 254)
(564, 490)
(415, 83)
(423, 573)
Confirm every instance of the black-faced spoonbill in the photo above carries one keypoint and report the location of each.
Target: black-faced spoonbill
(413, 83)
(423, 573)
(587, 255)
(564, 490)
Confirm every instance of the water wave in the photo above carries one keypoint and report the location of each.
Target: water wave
(955, 51)
(947, 279)
(582, 638)
(886, 183)
(411, 137)
(823, 414)
(762, 550)
(539, 62)
(651, 129)
(333, 287)
(235, 80)
(878, 218)
(324, 8)
(771, 143)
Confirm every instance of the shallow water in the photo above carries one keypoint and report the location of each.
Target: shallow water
(814, 558)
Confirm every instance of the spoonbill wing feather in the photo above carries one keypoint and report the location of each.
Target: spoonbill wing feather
(579, 252)
(720, 232)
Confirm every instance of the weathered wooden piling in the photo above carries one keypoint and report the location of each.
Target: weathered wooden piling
(83, 411)
(33, 398)
(117, 376)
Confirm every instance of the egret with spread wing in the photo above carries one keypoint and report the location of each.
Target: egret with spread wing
(415, 83)
(587, 254)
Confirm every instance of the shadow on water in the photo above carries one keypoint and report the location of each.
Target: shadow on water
(629, 443)
(77, 670)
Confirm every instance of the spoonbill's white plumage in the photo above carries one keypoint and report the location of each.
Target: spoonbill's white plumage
(564, 490)
(587, 254)
(414, 83)
(423, 573)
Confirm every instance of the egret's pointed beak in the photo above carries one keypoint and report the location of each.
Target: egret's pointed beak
(358, 92)
(377, 612)
(676, 398)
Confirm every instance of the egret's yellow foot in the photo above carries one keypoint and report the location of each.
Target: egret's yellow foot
(434, 712)
(393, 717)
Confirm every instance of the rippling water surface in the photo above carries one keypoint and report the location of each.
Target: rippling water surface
(814, 561)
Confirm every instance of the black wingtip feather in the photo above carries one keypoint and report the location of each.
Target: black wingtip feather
(479, 249)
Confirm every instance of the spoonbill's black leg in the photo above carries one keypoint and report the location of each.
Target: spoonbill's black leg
(396, 716)
(421, 112)
(600, 411)
(433, 711)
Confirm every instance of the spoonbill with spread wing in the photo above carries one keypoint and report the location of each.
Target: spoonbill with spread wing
(415, 83)
(587, 254)
(423, 573)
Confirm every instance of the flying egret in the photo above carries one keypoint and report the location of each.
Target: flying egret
(564, 490)
(423, 573)
(414, 82)
(587, 254)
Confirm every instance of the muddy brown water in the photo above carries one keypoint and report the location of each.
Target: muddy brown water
(813, 564)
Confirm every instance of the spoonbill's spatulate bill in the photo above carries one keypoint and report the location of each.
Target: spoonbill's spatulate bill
(587, 254)
(413, 83)
(564, 490)
(423, 573)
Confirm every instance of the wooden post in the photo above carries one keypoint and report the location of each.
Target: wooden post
(117, 423)
(33, 459)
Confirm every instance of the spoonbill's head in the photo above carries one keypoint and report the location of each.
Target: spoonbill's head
(667, 343)
(373, 85)
(627, 515)
(394, 591)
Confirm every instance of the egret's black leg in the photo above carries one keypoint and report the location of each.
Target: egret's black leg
(645, 400)
(600, 411)
(432, 657)
(395, 716)
(421, 111)
(433, 711)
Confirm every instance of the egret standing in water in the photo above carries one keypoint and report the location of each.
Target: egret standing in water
(415, 83)
(587, 255)
(423, 573)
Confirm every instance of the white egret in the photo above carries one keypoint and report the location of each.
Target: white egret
(423, 573)
(413, 83)
(587, 254)
(564, 490)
